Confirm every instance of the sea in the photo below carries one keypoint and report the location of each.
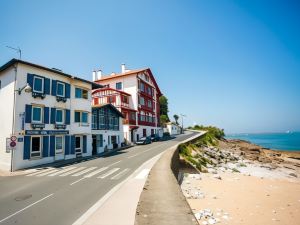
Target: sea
(289, 141)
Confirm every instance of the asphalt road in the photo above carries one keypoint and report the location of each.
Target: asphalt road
(61, 195)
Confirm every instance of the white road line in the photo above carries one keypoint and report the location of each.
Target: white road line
(115, 163)
(143, 174)
(46, 173)
(40, 171)
(72, 171)
(95, 172)
(77, 181)
(61, 171)
(108, 173)
(25, 208)
(133, 155)
(83, 172)
(119, 175)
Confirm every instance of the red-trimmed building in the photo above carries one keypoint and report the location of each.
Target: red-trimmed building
(136, 94)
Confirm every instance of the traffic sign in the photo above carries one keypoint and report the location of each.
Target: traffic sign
(13, 144)
(13, 138)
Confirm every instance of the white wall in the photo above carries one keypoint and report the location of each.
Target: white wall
(6, 114)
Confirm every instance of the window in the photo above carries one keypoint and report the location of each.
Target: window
(84, 117)
(142, 101)
(77, 117)
(99, 140)
(77, 142)
(59, 144)
(119, 86)
(149, 90)
(60, 89)
(81, 93)
(111, 99)
(125, 99)
(142, 86)
(146, 77)
(35, 147)
(149, 103)
(37, 114)
(59, 116)
(94, 120)
(132, 116)
(38, 84)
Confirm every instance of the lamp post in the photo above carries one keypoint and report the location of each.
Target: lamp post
(182, 122)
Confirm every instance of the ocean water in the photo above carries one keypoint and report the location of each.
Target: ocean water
(279, 141)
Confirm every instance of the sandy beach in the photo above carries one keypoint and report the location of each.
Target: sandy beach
(252, 186)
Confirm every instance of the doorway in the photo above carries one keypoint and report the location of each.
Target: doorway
(78, 146)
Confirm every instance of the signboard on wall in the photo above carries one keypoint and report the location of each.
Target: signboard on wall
(46, 132)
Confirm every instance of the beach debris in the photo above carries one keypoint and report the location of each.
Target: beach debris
(293, 175)
(217, 176)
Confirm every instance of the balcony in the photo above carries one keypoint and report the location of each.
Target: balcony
(129, 122)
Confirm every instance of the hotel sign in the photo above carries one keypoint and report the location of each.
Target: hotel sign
(46, 132)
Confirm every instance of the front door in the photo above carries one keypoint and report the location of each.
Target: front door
(59, 148)
(78, 146)
(94, 145)
(114, 141)
(144, 132)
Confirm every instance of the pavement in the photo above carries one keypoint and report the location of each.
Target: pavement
(71, 194)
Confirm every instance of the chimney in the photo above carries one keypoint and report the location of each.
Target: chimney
(123, 68)
(99, 74)
(94, 76)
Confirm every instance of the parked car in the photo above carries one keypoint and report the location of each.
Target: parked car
(154, 137)
(144, 141)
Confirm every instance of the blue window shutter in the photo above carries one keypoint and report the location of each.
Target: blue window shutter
(53, 115)
(53, 91)
(46, 115)
(84, 144)
(52, 145)
(47, 86)
(30, 79)
(68, 120)
(28, 111)
(67, 145)
(67, 91)
(72, 144)
(45, 146)
(26, 153)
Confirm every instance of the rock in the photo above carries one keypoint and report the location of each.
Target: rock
(205, 223)
(212, 221)
(217, 176)
(198, 215)
(293, 175)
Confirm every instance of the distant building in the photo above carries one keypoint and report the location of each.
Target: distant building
(136, 94)
(51, 116)
(107, 128)
(172, 128)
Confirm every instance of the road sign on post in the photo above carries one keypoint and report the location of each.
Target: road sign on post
(11, 143)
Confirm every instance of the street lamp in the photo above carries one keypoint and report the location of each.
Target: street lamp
(26, 88)
(182, 122)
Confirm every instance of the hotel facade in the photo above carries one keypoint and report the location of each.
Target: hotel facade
(48, 111)
(136, 94)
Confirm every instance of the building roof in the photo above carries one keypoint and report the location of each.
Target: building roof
(108, 105)
(111, 89)
(14, 61)
(132, 72)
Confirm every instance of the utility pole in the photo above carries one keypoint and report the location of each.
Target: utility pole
(16, 49)
(182, 122)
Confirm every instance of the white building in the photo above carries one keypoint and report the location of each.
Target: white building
(136, 94)
(107, 128)
(51, 119)
(172, 128)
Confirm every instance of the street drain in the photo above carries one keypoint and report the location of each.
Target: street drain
(23, 197)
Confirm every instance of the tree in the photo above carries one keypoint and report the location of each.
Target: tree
(176, 117)
(164, 109)
(164, 119)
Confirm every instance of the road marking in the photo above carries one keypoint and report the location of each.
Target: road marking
(77, 181)
(61, 171)
(108, 173)
(133, 155)
(46, 173)
(72, 171)
(115, 163)
(40, 171)
(143, 174)
(95, 172)
(25, 208)
(119, 175)
(83, 172)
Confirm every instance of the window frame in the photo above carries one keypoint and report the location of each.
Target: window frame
(64, 89)
(87, 117)
(63, 116)
(121, 85)
(43, 80)
(40, 148)
(59, 151)
(41, 114)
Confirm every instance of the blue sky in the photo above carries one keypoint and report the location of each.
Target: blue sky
(233, 64)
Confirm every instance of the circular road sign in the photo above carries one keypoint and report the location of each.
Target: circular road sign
(13, 144)
(13, 138)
